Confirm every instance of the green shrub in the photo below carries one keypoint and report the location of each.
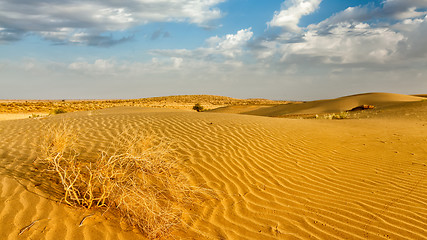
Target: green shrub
(58, 111)
(198, 107)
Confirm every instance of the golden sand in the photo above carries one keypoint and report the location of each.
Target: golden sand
(379, 100)
(273, 178)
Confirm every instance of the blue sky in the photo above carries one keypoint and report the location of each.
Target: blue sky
(277, 49)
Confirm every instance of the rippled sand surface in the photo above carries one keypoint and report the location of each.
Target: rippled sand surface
(273, 178)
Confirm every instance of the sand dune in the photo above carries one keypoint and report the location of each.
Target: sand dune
(273, 178)
(326, 106)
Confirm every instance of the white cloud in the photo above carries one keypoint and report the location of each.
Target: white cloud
(408, 25)
(60, 20)
(230, 46)
(346, 43)
(390, 9)
(60, 34)
(98, 67)
(177, 62)
(351, 14)
(291, 13)
(415, 45)
(402, 9)
(265, 49)
(349, 37)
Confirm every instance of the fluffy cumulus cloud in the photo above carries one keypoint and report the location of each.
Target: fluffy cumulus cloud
(231, 45)
(349, 37)
(415, 32)
(346, 43)
(292, 11)
(85, 21)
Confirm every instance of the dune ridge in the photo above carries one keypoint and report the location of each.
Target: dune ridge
(273, 178)
(379, 100)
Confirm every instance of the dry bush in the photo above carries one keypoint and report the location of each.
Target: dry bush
(138, 177)
(58, 150)
(341, 115)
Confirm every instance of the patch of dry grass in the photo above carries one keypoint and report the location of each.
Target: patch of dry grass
(138, 177)
(341, 115)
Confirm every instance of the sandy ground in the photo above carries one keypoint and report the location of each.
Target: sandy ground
(378, 100)
(273, 178)
(12, 116)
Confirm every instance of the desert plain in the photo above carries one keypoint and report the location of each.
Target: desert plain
(274, 170)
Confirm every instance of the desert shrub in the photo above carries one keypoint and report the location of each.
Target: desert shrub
(33, 115)
(198, 107)
(138, 177)
(341, 115)
(58, 111)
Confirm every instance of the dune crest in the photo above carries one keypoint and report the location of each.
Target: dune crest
(325, 106)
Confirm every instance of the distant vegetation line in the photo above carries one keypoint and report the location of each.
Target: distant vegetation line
(177, 102)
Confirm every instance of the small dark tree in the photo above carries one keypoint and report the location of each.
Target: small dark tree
(198, 107)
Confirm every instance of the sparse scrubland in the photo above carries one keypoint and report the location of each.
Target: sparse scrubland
(138, 178)
(177, 102)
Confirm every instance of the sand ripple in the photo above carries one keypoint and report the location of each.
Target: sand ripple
(273, 178)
